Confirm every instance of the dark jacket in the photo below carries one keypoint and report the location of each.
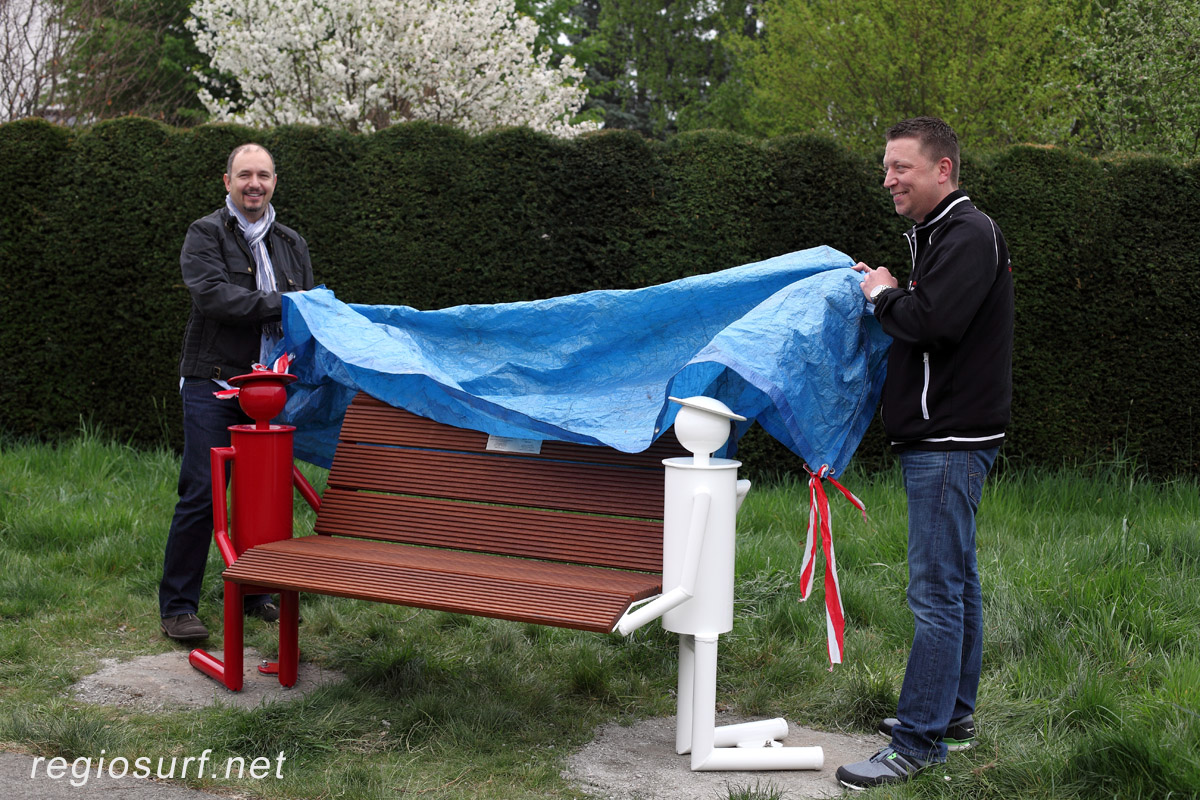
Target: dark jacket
(949, 378)
(224, 328)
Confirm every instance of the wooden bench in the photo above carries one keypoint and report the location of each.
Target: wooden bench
(422, 514)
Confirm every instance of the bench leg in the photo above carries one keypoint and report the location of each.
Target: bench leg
(289, 637)
(234, 636)
(287, 668)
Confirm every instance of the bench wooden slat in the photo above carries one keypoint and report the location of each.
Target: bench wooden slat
(371, 421)
(531, 533)
(547, 593)
(496, 479)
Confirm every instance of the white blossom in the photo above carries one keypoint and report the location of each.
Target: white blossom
(366, 64)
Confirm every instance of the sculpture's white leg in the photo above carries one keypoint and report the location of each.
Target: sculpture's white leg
(746, 746)
(704, 699)
(683, 695)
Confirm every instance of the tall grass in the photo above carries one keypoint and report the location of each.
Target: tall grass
(1091, 684)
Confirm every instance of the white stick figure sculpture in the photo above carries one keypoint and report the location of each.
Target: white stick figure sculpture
(701, 499)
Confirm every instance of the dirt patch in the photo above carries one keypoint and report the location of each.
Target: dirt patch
(624, 762)
(639, 762)
(168, 681)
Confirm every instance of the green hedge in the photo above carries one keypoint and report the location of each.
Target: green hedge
(91, 221)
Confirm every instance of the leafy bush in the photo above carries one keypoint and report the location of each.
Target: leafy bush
(91, 221)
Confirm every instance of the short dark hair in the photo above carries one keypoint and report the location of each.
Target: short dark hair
(937, 139)
(247, 146)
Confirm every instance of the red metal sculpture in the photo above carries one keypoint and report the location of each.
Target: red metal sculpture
(262, 512)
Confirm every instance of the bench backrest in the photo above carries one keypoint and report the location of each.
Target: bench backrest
(403, 478)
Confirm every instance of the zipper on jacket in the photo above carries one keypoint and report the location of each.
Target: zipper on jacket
(925, 389)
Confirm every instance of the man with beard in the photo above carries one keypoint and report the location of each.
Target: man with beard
(236, 262)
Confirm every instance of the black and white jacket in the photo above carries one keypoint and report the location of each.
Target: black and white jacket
(949, 378)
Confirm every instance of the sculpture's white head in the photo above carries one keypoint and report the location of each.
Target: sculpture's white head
(702, 426)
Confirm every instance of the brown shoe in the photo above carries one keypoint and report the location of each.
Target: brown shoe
(184, 628)
(267, 612)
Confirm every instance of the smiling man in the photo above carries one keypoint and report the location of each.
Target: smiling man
(946, 405)
(250, 180)
(236, 262)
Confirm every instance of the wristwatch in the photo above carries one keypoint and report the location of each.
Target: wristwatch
(877, 292)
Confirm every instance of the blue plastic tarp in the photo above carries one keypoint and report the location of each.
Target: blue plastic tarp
(786, 342)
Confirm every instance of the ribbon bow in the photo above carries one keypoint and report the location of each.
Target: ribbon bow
(818, 512)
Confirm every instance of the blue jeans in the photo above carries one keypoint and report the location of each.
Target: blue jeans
(206, 422)
(942, 676)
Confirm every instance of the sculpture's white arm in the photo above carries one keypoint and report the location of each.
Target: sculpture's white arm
(636, 618)
(743, 488)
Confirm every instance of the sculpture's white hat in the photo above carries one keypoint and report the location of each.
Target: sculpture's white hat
(710, 404)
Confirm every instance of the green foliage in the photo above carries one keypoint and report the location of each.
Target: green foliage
(131, 57)
(557, 27)
(33, 151)
(849, 69)
(1106, 356)
(757, 791)
(1090, 684)
(1055, 244)
(656, 67)
(1141, 63)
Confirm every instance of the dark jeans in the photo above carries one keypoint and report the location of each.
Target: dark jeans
(942, 677)
(206, 422)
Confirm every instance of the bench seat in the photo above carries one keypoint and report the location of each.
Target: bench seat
(479, 584)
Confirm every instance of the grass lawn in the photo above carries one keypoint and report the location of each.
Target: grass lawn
(1091, 684)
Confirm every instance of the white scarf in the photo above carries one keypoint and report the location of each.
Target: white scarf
(255, 234)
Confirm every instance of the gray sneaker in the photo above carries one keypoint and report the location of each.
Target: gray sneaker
(885, 767)
(184, 628)
(960, 733)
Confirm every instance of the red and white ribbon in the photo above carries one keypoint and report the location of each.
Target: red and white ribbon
(818, 516)
(281, 365)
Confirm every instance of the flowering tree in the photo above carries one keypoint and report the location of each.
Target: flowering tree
(79, 61)
(366, 64)
(33, 40)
